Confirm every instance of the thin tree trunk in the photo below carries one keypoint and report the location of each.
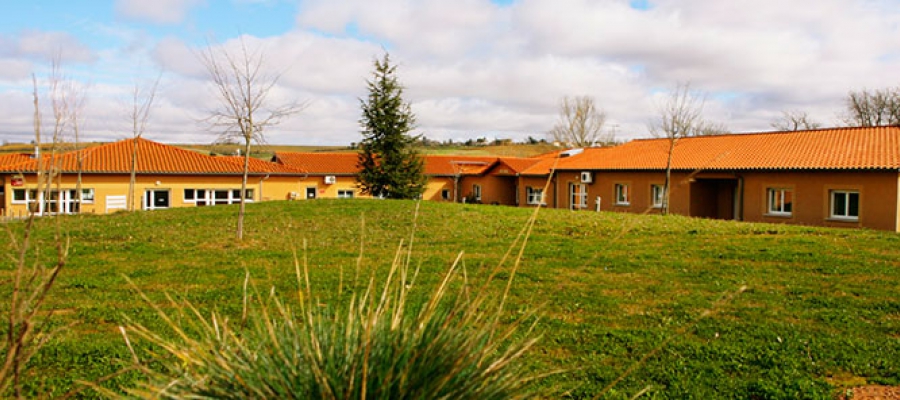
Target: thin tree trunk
(668, 184)
(134, 149)
(240, 223)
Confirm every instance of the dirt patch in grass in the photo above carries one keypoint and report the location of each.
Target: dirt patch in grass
(872, 392)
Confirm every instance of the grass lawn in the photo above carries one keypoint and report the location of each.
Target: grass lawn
(820, 312)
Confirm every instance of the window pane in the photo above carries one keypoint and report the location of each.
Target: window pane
(788, 201)
(853, 205)
(19, 194)
(221, 194)
(248, 194)
(236, 194)
(189, 194)
(839, 205)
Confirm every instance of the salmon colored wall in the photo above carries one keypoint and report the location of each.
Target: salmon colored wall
(323, 190)
(434, 187)
(494, 189)
(877, 195)
(638, 184)
(536, 183)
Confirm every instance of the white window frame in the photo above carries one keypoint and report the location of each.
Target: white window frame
(623, 197)
(476, 191)
(845, 216)
(657, 195)
(578, 198)
(775, 201)
(345, 193)
(445, 194)
(534, 196)
(207, 197)
(149, 199)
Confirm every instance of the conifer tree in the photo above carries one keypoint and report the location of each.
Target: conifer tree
(389, 165)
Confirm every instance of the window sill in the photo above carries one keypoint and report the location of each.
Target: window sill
(783, 216)
(843, 219)
(622, 204)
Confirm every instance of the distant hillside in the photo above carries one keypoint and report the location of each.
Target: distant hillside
(266, 151)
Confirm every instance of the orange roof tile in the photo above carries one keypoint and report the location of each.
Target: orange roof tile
(152, 158)
(262, 166)
(838, 148)
(320, 163)
(518, 164)
(449, 165)
(15, 158)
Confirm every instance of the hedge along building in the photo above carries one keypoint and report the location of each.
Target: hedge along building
(166, 176)
(843, 177)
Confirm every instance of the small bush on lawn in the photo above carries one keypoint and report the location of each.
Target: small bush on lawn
(377, 344)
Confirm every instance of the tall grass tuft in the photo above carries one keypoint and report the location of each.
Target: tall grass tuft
(376, 344)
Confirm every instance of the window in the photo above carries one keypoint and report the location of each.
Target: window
(622, 196)
(156, 199)
(19, 196)
(476, 192)
(845, 205)
(345, 194)
(578, 195)
(445, 194)
(87, 196)
(534, 195)
(657, 192)
(780, 201)
(204, 197)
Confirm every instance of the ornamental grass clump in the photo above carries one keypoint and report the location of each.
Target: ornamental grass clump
(378, 343)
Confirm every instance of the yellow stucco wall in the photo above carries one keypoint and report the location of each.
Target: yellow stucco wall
(106, 185)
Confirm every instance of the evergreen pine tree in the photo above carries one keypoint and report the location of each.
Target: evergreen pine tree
(389, 165)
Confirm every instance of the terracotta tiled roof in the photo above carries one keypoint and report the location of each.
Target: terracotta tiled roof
(839, 148)
(541, 168)
(517, 164)
(441, 165)
(320, 163)
(152, 158)
(13, 159)
(262, 166)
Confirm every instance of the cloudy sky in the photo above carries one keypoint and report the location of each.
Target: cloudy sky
(471, 68)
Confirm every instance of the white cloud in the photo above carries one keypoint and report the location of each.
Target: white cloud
(156, 11)
(472, 68)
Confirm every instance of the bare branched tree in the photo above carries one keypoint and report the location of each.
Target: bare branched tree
(680, 116)
(795, 121)
(32, 280)
(873, 108)
(243, 87)
(580, 123)
(141, 104)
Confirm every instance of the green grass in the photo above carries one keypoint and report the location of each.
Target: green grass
(820, 312)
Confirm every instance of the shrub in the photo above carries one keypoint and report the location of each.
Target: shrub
(377, 344)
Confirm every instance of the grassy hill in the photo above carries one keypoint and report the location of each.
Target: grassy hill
(820, 311)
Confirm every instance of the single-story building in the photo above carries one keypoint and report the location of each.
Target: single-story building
(842, 177)
(165, 176)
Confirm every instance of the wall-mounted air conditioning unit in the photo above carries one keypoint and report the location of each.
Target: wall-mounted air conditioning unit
(587, 177)
(330, 180)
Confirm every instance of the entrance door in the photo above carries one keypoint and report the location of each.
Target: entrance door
(156, 199)
(577, 196)
(714, 198)
(311, 192)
